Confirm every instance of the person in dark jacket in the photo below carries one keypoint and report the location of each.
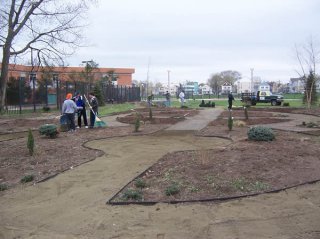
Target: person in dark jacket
(81, 104)
(94, 108)
(230, 99)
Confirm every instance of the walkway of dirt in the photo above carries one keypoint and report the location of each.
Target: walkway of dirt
(295, 123)
(72, 205)
(197, 122)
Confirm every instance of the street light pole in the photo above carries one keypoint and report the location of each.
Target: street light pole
(252, 88)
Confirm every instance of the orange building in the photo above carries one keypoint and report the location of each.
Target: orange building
(121, 76)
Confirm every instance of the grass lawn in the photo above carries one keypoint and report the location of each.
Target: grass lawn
(115, 108)
(224, 103)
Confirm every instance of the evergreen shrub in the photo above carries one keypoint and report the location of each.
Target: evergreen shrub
(261, 133)
(30, 142)
(49, 130)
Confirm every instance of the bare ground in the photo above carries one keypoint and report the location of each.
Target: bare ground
(72, 205)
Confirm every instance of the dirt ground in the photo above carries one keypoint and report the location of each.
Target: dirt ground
(72, 205)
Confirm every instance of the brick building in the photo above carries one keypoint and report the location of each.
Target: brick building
(120, 76)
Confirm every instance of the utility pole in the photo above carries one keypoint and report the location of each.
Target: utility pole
(252, 88)
(169, 82)
(148, 76)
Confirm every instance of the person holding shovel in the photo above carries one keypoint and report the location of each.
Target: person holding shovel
(93, 101)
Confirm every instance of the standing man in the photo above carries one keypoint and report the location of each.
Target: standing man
(93, 108)
(181, 97)
(168, 103)
(230, 99)
(81, 110)
(69, 108)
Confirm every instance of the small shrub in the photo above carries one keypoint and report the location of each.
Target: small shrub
(132, 194)
(137, 123)
(311, 125)
(286, 104)
(184, 107)
(260, 133)
(30, 142)
(49, 130)
(46, 108)
(239, 123)
(240, 184)
(172, 189)
(208, 104)
(140, 183)
(27, 178)
(3, 187)
(230, 121)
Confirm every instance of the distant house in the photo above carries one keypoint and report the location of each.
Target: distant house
(264, 87)
(226, 87)
(243, 86)
(191, 88)
(296, 85)
(205, 90)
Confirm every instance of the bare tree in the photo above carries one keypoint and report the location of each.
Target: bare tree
(308, 56)
(217, 79)
(45, 29)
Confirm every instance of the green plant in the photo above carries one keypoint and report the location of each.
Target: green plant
(168, 175)
(261, 133)
(230, 121)
(46, 108)
(240, 184)
(137, 123)
(3, 187)
(172, 189)
(246, 115)
(209, 179)
(150, 113)
(311, 125)
(132, 194)
(30, 142)
(97, 90)
(193, 189)
(286, 104)
(49, 130)
(259, 186)
(27, 178)
(140, 183)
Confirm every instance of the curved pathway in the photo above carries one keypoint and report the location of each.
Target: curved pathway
(72, 205)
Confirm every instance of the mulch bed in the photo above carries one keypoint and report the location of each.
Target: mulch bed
(243, 168)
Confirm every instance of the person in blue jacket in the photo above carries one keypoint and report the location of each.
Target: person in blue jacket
(81, 104)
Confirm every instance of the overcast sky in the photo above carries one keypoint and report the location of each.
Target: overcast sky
(194, 39)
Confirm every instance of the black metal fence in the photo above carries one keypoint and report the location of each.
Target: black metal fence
(31, 95)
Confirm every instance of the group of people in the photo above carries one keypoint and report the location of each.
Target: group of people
(77, 105)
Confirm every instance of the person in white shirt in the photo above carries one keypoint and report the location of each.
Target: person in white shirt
(181, 97)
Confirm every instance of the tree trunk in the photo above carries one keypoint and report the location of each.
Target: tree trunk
(4, 74)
